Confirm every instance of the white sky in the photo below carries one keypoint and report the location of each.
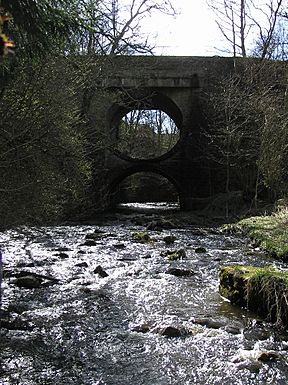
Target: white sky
(193, 32)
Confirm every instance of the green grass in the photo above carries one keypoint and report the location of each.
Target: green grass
(270, 233)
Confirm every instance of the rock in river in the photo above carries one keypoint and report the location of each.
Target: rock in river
(173, 255)
(180, 272)
(28, 282)
(171, 331)
(102, 273)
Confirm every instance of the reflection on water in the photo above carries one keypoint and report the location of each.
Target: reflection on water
(93, 330)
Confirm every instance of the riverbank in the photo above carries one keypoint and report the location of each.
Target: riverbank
(261, 290)
(269, 232)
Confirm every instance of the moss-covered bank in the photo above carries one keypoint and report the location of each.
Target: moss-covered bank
(262, 290)
(268, 232)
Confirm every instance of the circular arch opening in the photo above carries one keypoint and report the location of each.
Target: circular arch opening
(146, 127)
(144, 189)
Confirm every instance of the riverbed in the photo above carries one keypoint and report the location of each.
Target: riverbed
(112, 308)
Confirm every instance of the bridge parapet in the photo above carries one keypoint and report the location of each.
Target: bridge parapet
(165, 71)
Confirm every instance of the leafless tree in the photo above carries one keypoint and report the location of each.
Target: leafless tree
(244, 23)
(115, 25)
(270, 30)
(232, 18)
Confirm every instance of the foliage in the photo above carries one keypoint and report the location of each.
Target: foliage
(246, 124)
(43, 169)
(45, 98)
(41, 26)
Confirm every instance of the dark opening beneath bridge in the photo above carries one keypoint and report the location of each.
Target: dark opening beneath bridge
(144, 190)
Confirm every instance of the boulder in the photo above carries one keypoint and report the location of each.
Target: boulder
(28, 282)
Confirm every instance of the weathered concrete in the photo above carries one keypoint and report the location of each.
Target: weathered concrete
(176, 85)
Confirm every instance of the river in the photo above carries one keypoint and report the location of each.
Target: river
(138, 324)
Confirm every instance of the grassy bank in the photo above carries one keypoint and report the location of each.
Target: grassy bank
(269, 232)
(262, 290)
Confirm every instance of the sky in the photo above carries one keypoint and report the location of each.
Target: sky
(192, 32)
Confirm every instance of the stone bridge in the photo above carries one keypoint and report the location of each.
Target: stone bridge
(176, 85)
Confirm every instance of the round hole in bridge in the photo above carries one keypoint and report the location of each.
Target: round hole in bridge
(146, 134)
(146, 190)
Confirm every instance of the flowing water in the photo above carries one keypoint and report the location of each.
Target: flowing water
(88, 329)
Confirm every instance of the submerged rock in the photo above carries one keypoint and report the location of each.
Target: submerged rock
(89, 242)
(169, 239)
(94, 236)
(119, 246)
(98, 231)
(146, 256)
(81, 264)
(253, 359)
(257, 330)
(200, 250)
(141, 237)
(62, 249)
(17, 307)
(173, 255)
(160, 224)
(63, 255)
(142, 328)
(252, 366)
(209, 323)
(7, 321)
(267, 356)
(232, 329)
